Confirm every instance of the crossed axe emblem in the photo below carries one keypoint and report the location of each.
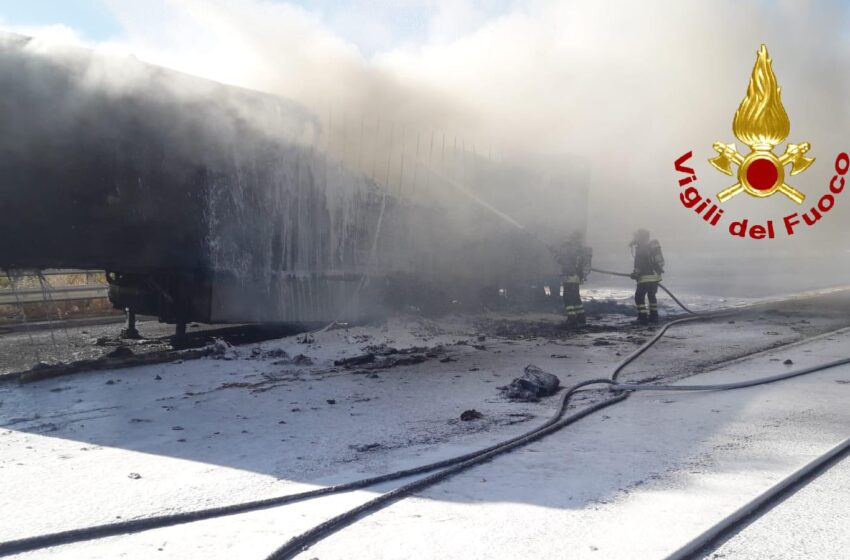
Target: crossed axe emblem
(761, 173)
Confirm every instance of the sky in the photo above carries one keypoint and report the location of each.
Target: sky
(372, 25)
(90, 18)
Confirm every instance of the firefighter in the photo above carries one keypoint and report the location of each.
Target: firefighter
(574, 258)
(649, 265)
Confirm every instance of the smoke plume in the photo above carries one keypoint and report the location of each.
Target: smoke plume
(625, 87)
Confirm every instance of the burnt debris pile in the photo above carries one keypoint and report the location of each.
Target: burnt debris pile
(532, 386)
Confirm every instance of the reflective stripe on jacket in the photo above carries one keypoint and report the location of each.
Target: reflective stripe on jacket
(649, 278)
(575, 262)
(649, 263)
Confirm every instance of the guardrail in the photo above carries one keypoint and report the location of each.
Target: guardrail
(62, 293)
(48, 293)
(57, 272)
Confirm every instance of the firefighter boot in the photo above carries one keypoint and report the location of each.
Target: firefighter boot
(653, 317)
(642, 318)
(581, 319)
(572, 322)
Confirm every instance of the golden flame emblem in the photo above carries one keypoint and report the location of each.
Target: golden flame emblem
(761, 123)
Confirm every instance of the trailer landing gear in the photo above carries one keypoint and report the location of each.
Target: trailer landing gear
(129, 331)
(180, 340)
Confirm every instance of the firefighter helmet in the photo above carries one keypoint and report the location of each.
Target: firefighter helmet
(641, 237)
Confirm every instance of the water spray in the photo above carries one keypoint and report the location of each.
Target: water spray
(475, 198)
(478, 200)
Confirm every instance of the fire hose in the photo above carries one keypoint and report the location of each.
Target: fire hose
(660, 285)
(303, 541)
(450, 467)
(463, 461)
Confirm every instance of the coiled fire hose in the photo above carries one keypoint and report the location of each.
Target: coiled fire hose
(450, 466)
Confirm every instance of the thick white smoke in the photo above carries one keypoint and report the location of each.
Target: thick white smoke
(628, 86)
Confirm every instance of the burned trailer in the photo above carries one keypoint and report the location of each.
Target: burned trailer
(202, 202)
(211, 203)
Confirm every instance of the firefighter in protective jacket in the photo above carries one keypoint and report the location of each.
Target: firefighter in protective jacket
(649, 265)
(574, 258)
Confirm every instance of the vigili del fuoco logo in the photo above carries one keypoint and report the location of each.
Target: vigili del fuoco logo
(761, 123)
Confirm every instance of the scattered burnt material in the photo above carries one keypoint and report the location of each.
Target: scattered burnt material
(384, 357)
(609, 307)
(404, 360)
(471, 414)
(48, 371)
(532, 386)
(77, 348)
(282, 358)
(366, 447)
(275, 353)
(239, 385)
(302, 360)
(522, 329)
(120, 352)
(355, 360)
(384, 350)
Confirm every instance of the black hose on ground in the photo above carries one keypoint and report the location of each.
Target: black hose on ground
(730, 386)
(660, 285)
(693, 316)
(312, 536)
(467, 460)
(651, 342)
(159, 521)
(702, 545)
(303, 541)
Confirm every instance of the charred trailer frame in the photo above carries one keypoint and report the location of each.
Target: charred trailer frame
(210, 203)
(186, 192)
